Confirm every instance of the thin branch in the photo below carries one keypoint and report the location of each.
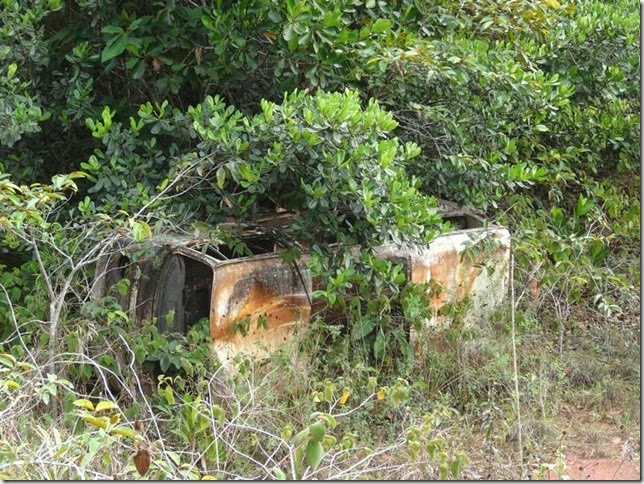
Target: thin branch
(515, 367)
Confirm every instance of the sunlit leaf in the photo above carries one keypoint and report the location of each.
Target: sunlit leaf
(84, 403)
(124, 431)
(7, 360)
(104, 405)
(101, 422)
(381, 25)
(345, 396)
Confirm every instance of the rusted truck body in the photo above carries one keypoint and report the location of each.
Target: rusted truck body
(256, 303)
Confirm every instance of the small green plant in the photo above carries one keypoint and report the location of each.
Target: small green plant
(186, 354)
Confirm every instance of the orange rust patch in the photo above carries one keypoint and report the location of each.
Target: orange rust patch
(455, 276)
(265, 288)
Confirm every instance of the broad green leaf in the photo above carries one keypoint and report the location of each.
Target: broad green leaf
(381, 25)
(317, 431)
(221, 177)
(301, 436)
(169, 395)
(114, 48)
(112, 29)
(443, 470)
(12, 70)
(458, 465)
(362, 328)
(328, 418)
(314, 454)
(141, 230)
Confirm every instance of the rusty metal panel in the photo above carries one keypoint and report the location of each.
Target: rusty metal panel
(469, 267)
(257, 304)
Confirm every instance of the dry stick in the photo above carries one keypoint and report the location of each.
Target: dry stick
(514, 364)
(145, 400)
(619, 467)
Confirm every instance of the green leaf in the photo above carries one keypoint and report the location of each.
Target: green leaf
(328, 418)
(443, 469)
(141, 230)
(279, 474)
(139, 70)
(288, 33)
(458, 465)
(584, 205)
(112, 29)
(101, 422)
(221, 177)
(7, 360)
(12, 70)
(379, 346)
(317, 431)
(114, 48)
(314, 454)
(362, 328)
(169, 395)
(301, 436)
(124, 431)
(381, 25)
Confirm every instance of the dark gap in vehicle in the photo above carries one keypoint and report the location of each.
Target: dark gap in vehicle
(256, 245)
(196, 291)
(463, 222)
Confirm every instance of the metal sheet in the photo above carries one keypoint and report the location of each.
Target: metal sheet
(469, 265)
(266, 297)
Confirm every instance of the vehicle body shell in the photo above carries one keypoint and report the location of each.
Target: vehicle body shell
(256, 303)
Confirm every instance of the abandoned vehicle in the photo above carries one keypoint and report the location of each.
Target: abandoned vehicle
(256, 303)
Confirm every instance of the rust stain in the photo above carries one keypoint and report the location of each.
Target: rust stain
(256, 289)
(454, 276)
(444, 273)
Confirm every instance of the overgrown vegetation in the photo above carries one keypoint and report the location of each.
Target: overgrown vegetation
(121, 120)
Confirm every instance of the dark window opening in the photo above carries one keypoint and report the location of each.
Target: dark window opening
(196, 291)
(464, 222)
(122, 265)
(247, 247)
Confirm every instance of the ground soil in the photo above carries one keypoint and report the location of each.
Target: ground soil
(589, 469)
(597, 450)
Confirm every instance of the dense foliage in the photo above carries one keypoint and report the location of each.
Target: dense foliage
(119, 120)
